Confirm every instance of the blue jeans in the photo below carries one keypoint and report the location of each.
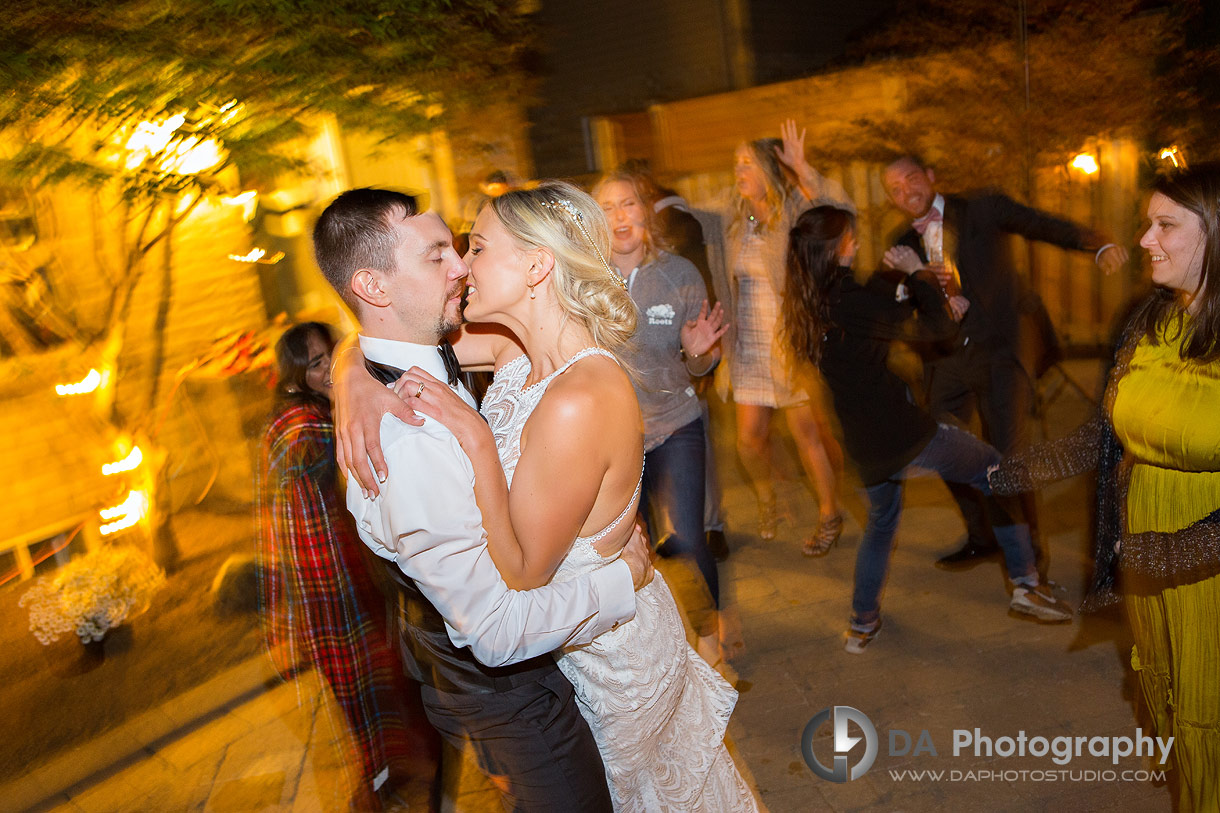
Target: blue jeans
(674, 488)
(712, 518)
(958, 457)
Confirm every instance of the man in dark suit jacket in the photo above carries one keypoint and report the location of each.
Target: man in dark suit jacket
(983, 366)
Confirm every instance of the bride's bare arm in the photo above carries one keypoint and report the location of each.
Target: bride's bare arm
(484, 346)
(581, 454)
(558, 478)
(523, 567)
(359, 403)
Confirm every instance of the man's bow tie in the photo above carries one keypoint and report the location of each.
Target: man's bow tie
(388, 374)
(453, 370)
(933, 216)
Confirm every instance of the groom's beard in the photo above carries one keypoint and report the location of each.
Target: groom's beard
(462, 308)
(447, 324)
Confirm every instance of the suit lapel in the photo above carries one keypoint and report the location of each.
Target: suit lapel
(955, 216)
(911, 239)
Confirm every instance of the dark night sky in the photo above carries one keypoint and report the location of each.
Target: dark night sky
(793, 39)
(602, 57)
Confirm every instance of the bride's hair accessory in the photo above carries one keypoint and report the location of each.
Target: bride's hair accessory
(569, 208)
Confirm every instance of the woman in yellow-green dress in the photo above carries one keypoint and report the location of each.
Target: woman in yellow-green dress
(1158, 523)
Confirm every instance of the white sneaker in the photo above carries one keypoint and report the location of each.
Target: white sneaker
(856, 641)
(1040, 603)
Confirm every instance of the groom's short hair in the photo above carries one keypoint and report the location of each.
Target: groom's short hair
(355, 232)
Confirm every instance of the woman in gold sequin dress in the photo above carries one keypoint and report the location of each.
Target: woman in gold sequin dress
(1159, 479)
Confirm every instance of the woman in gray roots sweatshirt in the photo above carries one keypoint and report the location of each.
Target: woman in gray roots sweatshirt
(678, 338)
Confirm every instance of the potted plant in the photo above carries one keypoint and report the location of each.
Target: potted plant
(92, 594)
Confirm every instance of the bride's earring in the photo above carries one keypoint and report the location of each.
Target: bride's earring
(533, 295)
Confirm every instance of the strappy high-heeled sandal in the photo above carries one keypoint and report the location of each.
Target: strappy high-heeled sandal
(824, 538)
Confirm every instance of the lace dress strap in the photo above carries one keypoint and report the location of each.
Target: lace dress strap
(597, 537)
(582, 354)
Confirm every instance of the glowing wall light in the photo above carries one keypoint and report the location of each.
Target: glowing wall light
(257, 255)
(127, 513)
(1086, 163)
(150, 138)
(1174, 154)
(248, 201)
(175, 152)
(134, 459)
(91, 381)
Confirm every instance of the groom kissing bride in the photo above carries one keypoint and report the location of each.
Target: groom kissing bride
(513, 541)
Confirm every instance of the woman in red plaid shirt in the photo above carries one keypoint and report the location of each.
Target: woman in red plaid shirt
(319, 604)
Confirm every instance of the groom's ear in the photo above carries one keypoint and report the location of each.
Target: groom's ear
(367, 285)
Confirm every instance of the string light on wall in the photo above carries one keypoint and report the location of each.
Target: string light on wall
(131, 461)
(257, 255)
(92, 380)
(126, 514)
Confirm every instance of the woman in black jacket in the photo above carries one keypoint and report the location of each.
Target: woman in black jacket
(845, 328)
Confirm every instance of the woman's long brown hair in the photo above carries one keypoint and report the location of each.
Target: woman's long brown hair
(813, 272)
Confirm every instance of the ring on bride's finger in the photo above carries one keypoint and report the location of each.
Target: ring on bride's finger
(420, 391)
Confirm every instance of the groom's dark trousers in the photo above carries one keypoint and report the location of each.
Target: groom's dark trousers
(521, 719)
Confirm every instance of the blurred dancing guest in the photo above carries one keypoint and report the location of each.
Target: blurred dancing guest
(1156, 445)
(845, 328)
(681, 230)
(673, 222)
(965, 239)
(320, 605)
(677, 338)
(746, 248)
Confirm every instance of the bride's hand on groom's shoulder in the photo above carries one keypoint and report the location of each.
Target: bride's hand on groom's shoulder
(428, 395)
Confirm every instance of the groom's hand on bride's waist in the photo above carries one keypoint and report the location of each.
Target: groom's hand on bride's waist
(638, 556)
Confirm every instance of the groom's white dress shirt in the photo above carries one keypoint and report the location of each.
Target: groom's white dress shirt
(426, 519)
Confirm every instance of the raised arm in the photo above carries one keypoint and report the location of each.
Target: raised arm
(702, 327)
(439, 402)
(1037, 225)
(481, 347)
(816, 188)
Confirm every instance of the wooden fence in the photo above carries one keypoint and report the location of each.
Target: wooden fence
(690, 144)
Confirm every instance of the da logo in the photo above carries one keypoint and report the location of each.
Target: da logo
(840, 716)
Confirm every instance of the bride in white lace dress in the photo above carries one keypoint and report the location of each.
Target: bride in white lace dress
(565, 427)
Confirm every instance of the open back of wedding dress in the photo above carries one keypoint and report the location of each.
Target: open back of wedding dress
(657, 711)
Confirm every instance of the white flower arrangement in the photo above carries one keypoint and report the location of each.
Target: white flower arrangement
(93, 594)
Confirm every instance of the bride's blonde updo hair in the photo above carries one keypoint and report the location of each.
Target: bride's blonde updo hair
(561, 218)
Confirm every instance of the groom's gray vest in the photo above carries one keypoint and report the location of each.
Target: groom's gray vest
(432, 659)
